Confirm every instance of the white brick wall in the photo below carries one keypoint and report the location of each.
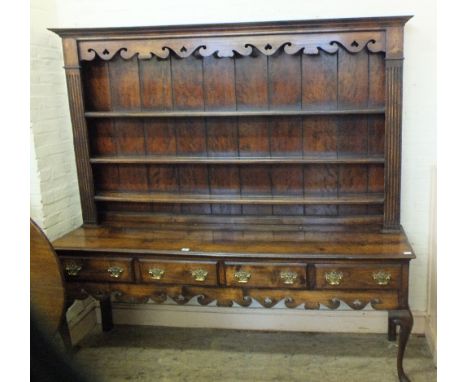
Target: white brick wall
(55, 203)
(54, 199)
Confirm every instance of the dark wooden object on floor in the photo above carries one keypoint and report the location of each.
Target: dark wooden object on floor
(47, 287)
(240, 162)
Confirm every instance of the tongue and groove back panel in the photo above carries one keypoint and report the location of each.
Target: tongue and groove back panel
(279, 82)
(292, 124)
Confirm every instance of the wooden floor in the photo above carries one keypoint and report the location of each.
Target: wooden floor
(147, 354)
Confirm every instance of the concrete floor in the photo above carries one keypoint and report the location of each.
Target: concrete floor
(147, 354)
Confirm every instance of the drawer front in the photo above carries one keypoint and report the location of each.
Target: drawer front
(97, 269)
(179, 272)
(255, 275)
(348, 276)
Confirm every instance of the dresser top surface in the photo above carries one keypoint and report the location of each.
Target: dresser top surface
(239, 241)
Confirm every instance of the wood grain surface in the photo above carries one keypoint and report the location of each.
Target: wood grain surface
(47, 285)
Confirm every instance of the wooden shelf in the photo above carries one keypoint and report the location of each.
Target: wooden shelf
(176, 198)
(233, 113)
(152, 159)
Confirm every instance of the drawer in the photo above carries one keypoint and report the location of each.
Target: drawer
(261, 275)
(178, 272)
(97, 269)
(349, 276)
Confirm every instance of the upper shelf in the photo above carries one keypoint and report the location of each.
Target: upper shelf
(230, 113)
(153, 159)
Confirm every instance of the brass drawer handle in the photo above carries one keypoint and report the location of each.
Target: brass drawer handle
(382, 278)
(334, 278)
(288, 277)
(72, 268)
(199, 274)
(115, 272)
(156, 273)
(242, 277)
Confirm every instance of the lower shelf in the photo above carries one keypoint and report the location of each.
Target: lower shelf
(236, 199)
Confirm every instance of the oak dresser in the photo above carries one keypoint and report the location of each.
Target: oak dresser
(239, 162)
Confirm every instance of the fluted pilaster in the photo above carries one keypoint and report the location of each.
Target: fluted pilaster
(393, 95)
(80, 137)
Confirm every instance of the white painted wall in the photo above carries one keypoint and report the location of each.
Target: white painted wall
(54, 202)
(52, 127)
(431, 321)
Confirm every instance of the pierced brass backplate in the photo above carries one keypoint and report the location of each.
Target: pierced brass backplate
(156, 273)
(72, 268)
(242, 277)
(115, 272)
(334, 278)
(381, 277)
(288, 277)
(199, 274)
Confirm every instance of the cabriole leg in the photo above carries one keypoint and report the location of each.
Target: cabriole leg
(404, 319)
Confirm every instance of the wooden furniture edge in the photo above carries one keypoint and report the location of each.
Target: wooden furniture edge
(258, 26)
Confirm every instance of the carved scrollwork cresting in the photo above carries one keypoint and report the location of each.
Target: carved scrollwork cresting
(245, 302)
(129, 299)
(226, 297)
(225, 303)
(98, 294)
(356, 304)
(267, 302)
(311, 305)
(181, 299)
(310, 44)
(375, 302)
(159, 298)
(204, 300)
(332, 304)
(291, 303)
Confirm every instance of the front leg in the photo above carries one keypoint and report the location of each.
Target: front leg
(403, 319)
(106, 313)
(391, 333)
(64, 330)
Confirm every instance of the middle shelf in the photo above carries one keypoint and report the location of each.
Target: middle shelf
(173, 159)
(181, 198)
(229, 113)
